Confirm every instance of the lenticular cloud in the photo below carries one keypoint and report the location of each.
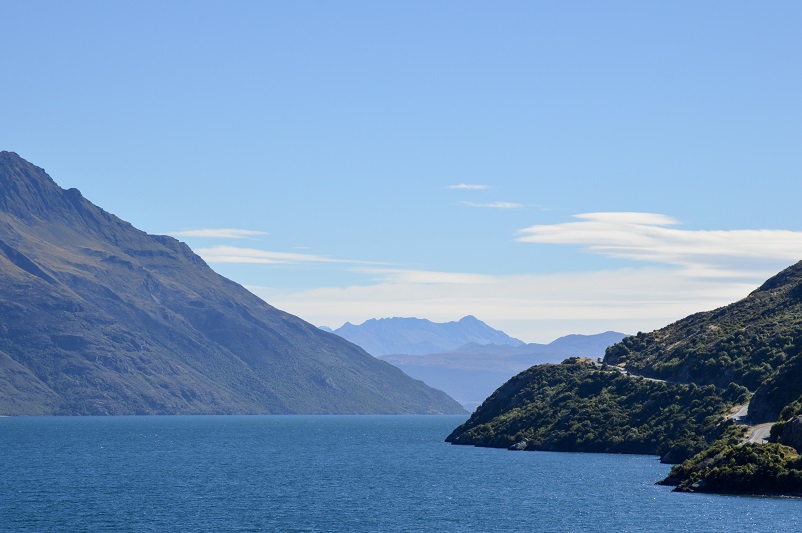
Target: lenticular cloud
(654, 238)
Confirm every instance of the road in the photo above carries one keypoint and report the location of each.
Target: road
(759, 434)
(739, 416)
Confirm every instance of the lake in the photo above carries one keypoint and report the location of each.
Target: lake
(334, 473)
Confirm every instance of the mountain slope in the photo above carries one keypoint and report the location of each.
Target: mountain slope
(97, 317)
(416, 336)
(755, 342)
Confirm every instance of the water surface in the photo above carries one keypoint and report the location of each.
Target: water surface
(334, 473)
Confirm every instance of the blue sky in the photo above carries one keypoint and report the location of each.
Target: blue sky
(550, 167)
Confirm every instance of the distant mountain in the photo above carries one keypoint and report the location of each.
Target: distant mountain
(472, 372)
(417, 336)
(586, 345)
(97, 317)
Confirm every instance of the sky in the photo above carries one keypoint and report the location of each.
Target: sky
(548, 167)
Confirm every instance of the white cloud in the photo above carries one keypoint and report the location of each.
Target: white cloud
(234, 254)
(652, 238)
(425, 277)
(468, 187)
(219, 233)
(495, 205)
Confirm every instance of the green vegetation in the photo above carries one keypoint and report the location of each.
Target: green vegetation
(780, 396)
(733, 469)
(576, 406)
(756, 342)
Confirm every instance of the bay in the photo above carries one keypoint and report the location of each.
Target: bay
(334, 473)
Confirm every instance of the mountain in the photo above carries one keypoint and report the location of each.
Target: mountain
(417, 336)
(97, 317)
(472, 372)
(673, 392)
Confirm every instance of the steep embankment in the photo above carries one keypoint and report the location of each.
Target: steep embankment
(97, 317)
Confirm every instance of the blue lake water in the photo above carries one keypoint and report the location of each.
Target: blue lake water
(334, 473)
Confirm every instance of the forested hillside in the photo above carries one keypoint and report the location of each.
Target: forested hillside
(670, 393)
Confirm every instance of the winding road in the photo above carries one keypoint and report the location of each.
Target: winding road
(758, 434)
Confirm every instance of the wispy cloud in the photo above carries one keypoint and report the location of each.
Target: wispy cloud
(235, 254)
(495, 205)
(468, 187)
(654, 238)
(389, 275)
(219, 233)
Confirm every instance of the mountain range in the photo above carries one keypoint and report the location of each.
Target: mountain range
(418, 336)
(472, 372)
(98, 317)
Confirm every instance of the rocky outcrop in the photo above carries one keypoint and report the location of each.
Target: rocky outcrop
(792, 433)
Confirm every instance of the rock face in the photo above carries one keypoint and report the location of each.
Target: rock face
(792, 433)
(97, 317)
